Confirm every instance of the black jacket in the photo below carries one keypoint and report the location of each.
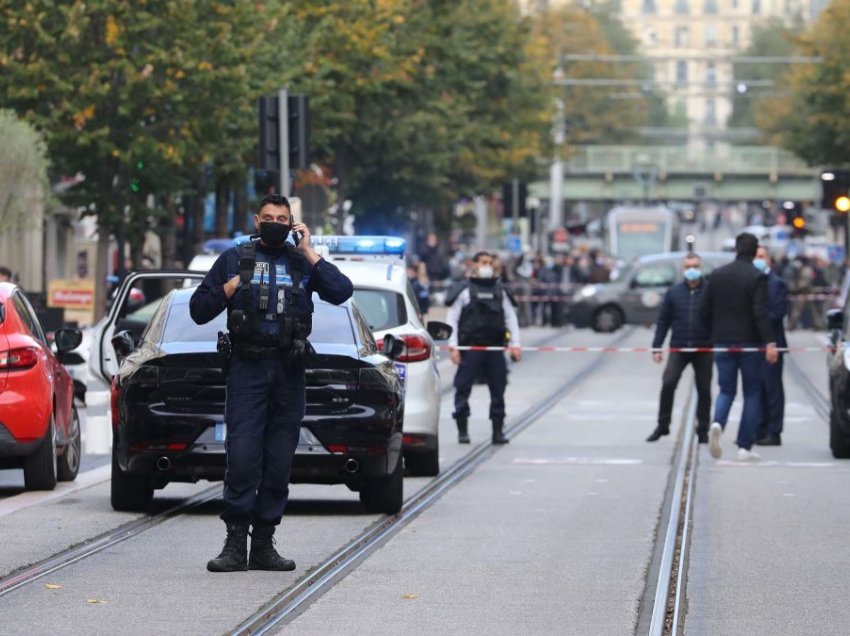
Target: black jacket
(681, 311)
(777, 299)
(734, 306)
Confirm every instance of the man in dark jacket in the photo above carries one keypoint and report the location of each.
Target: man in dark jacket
(680, 310)
(769, 432)
(735, 309)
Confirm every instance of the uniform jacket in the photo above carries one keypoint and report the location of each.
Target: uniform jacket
(274, 267)
(734, 306)
(777, 300)
(681, 312)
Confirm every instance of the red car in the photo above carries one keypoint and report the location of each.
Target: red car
(39, 425)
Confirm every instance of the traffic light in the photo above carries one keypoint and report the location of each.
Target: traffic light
(508, 199)
(298, 132)
(796, 218)
(836, 190)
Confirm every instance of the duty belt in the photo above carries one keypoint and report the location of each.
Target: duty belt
(256, 352)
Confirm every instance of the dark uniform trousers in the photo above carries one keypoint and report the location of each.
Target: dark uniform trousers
(264, 407)
(676, 363)
(772, 400)
(490, 364)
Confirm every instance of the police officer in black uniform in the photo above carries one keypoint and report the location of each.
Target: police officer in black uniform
(481, 314)
(265, 285)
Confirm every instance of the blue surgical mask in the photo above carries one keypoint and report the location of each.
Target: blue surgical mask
(693, 273)
(760, 264)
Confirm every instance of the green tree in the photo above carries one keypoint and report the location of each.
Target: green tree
(23, 172)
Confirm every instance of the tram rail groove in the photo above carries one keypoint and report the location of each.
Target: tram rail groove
(668, 604)
(292, 602)
(100, 543)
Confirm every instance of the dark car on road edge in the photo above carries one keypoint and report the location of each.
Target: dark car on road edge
(168, 408)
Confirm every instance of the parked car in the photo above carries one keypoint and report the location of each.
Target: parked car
(168, 407)
(838, 368)
(39, 424)
(634, 295)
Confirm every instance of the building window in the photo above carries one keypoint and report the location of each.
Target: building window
(681, 37)
(711, 74)
(648, 7)
(681, 73)
(681, 7)
(734, 4)
(650, 37)
(736, 35)
(710, 6)
(710, 35)
(710, 112)
(756, 7)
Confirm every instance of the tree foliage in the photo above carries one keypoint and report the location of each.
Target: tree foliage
(813, 122)
(23, 172)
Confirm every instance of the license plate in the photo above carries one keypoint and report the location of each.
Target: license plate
(220, 431)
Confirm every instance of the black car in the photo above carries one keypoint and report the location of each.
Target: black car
(838, 361)
(168, 408)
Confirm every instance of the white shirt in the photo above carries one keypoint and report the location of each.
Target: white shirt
(511, 322)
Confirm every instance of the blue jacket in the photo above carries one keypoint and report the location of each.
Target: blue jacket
(777, 306)
(680, 310)
(209, 299)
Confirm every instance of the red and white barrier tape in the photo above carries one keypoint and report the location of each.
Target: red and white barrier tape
(643, 349)
(569, 296)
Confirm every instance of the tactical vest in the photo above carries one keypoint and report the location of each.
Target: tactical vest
(482, 320)
(271, 309)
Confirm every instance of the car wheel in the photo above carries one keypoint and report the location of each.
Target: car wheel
(386, 494)
(68, 463)
(607, 319)
(40, 467)
(838, 440)
(129, 493)
(423, 464)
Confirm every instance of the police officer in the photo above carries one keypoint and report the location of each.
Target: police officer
(481, 315)
(680, 310)
(265, 285)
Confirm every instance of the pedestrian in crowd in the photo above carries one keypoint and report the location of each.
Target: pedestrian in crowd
(436, 262)
(265, 285)
(734, 307)
(5, 275)
(482, 315)
(420, 290)
(769, 430)
(680, 312)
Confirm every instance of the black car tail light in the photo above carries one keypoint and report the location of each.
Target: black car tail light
(412, 440)
(114, 394)
(18, 359)
(171, 446)
(337, 448)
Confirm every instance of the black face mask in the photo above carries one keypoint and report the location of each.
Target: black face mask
(273, 234)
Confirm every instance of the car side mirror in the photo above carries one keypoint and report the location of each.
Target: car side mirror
(393, 347)
(123, 344)
(67, 339)
(835, 320)
(439, 330)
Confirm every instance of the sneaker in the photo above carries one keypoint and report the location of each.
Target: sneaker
(745, 455)
(714, 433)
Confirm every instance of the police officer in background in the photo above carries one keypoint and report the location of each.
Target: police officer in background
(680, 310)
(265, 285)
(482, 315)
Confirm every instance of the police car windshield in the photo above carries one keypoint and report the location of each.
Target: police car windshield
(331, 324)
(382, 309)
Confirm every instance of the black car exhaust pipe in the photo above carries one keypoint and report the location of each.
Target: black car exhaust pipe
(351, 465)
(163, 463)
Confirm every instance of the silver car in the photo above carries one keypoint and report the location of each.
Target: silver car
(635, 292)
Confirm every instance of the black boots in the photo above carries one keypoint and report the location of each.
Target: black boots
(498, 433)
(263, 555)
(462, 431)
(234, 556)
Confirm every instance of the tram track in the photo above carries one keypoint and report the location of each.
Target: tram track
(290, 603)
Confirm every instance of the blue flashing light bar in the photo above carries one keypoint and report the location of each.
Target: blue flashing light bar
(362, 245)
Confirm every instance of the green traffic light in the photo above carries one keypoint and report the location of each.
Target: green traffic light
(135, 186)
(140, 165)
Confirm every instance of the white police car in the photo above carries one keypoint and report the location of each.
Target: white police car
(385, 298)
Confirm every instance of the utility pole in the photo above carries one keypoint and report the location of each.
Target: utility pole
(556, 172)
(283, 140)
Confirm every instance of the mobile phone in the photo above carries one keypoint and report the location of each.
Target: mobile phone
(296, 237)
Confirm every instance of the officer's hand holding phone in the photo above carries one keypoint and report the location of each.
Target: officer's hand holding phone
(301, 236)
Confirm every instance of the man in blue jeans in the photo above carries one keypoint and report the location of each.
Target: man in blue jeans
(734, 307)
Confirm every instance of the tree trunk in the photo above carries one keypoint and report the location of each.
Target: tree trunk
(241, 222)
(198, 208)
(222, 201)
(168, 234)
